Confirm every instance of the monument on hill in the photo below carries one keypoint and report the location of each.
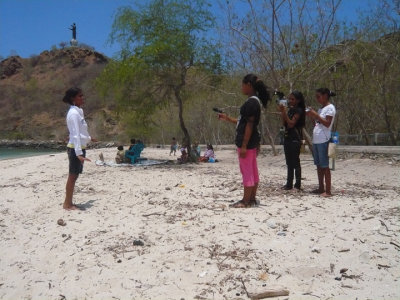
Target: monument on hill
(73, 41)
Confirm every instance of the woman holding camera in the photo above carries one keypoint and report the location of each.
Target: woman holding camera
(323, 120)
(293, 119)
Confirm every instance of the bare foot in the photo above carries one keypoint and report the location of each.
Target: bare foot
(72, 207)
(326, 195)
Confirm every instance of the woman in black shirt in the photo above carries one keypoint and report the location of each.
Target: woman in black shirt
(248, 137)
(293, 119)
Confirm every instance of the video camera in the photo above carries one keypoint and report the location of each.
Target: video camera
(280, 98)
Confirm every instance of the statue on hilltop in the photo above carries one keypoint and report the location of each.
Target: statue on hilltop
(73, 42)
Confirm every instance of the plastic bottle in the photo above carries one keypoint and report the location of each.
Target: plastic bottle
(335, 138)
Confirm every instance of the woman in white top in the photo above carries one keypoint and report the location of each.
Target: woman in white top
(321, 135)
(78, 139)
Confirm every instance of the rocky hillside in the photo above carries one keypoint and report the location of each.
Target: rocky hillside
(31, 90)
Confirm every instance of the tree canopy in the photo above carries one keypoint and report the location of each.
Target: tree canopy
(161, 42)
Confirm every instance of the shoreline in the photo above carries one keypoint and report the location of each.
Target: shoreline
(50, 144)
(27, 153)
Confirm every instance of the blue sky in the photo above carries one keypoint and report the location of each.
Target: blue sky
(31, 26)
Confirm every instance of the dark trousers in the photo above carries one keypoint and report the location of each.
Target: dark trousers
(292, 156)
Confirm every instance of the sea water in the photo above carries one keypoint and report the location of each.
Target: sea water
(8, 153)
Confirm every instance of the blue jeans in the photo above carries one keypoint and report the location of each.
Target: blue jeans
(320, 152)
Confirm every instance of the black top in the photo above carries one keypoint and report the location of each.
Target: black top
(294, 133)
(251, 108)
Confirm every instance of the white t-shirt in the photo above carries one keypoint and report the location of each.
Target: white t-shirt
(78, 130)
(322, 134)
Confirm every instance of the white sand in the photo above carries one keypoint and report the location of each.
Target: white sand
(195, 245)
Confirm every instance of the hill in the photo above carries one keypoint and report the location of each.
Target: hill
(32, 89)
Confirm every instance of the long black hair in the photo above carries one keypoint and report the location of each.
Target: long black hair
(326, 91)
(259, 87)
(302, 105)
(70, 94)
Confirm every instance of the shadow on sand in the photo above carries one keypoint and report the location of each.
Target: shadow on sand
(86, 205)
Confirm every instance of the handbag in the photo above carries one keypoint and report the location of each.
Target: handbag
(331, 149)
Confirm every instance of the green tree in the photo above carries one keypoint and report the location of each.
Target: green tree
(161, 42)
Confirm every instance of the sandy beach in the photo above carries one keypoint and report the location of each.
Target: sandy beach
(167, 232)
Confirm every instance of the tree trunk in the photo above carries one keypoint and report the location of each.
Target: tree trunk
(187, 141)
(270, 138)
(308, 140)
(388, 124)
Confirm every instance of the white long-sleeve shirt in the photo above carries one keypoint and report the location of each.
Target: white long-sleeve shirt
(78, 130)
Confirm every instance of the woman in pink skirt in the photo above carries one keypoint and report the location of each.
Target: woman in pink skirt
(248, 137)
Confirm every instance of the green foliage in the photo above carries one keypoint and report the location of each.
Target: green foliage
(160, 42)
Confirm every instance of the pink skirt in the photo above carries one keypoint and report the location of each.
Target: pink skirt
(248, 167)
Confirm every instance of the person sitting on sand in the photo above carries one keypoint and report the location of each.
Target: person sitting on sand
(120, 157)
(184, 154)
(209, 154)
(78, 139)
(133, 143)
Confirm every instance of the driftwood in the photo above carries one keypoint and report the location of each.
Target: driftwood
(394, 244)
(154, 214)
(269, 294)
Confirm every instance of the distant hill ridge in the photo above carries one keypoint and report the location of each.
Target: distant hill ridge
(74, 56)
(31, 90)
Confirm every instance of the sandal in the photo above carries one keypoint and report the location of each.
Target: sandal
(241, 204)
(254, 203)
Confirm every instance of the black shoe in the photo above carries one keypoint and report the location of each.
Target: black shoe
(287, 187)
(297, 186)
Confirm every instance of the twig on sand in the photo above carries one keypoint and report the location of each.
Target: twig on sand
(154, 214)
(244, 286)
(237, 232)
(269, 294)
(396, 245)
(387, 235)
(383, 224)
(309, 294)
